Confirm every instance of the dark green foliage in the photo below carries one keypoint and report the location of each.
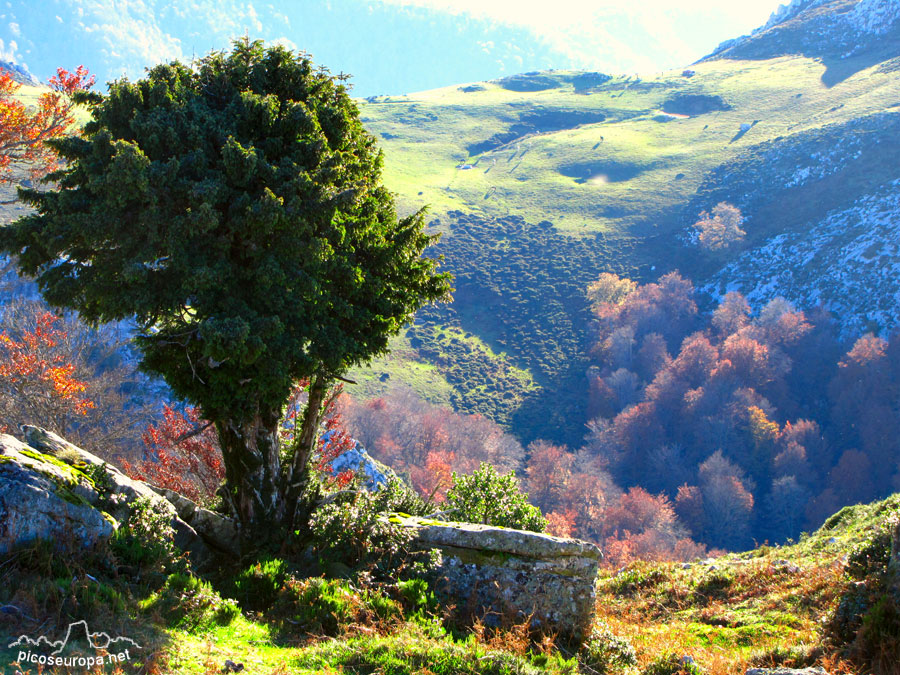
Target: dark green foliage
(714, 585)
(235, 210)
(871, 557)
(146, 539)
(395, 496)
(324, 606)
(604, 652)
(671, 663)
(638, 577)
(257, 586)
(191, 604)
(355, 534)
(490, 498)
(521, 287)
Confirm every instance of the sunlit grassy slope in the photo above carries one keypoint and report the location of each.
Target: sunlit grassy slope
(626, 175)
(617, 168)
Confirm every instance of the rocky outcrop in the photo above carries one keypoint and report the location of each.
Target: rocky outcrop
(215, 529)
(498, 573)
(51, 489)
(43, 499)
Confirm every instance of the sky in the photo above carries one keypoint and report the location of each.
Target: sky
(388, 46)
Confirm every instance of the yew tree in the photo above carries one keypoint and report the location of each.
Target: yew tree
(235, 209)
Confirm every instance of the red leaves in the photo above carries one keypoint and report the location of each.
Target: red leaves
(33, 367)
(192, 466)
(24, 132)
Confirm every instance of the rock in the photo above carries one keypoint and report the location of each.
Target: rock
(359, 460)
(120, 491)
(499, 572)
(786, 671)
(46, 500)
(215, 529)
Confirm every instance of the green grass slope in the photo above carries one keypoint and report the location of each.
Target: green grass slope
(541, 181)
(829, 600)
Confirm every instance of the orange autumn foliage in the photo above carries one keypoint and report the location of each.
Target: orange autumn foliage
(37, 380)
(24, 131)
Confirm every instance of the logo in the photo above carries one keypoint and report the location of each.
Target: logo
(67, 652)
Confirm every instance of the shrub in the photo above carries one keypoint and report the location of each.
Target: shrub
(671, 663)
(324, 606)
(490, 498)
(257, 586)
(872, 556)
(357, 533)
(146, 539)
(191, 604)
(604, 652)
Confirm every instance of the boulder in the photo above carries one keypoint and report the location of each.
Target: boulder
(215, 529)
(499, 573)
(357, 459)
(50, 454)
(42, 499)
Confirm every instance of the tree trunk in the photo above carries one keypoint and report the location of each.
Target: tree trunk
(252, 459)
(303, 447)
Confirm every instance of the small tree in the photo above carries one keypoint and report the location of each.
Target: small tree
(721, 229)
(24, 132)
(490, 498)
(235, 210)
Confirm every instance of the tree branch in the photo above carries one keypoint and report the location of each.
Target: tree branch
(190, 434)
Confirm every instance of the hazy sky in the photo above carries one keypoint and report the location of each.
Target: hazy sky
(389, 46)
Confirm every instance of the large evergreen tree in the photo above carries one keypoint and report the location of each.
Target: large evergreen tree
(236, 210)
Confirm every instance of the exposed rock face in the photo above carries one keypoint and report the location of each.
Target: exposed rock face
(357, 459)
(498, 572)
(43, 500)
(45, 494)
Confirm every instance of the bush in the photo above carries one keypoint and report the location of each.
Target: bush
(358, 534)
(604, 652)
(325, 606)
(671, 663)
(257, 586)
(191, 604)
(871, 557)
(146, 539)
(490, 498)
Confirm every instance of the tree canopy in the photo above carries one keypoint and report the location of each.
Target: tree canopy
(235, 209)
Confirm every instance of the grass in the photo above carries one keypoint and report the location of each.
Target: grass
(767, 607)
(637, 182)
(425, 137)
(772, 606)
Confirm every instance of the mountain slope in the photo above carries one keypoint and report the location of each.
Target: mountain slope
(608, 173)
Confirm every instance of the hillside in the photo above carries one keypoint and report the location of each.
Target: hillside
(541, 181)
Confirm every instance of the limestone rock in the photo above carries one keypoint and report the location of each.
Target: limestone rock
(214, 528)
(45, 500)
(122, 492)
(359, 460)
(499, 572)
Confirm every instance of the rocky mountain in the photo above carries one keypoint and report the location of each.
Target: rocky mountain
(830, 30)
(19, 73)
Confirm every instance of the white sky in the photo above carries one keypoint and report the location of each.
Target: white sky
(584, 28)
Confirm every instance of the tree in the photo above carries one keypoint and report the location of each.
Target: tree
(721, 229)
(37, 381)
(235, 210)
(76, 381)
(179, 459)
(25, 132)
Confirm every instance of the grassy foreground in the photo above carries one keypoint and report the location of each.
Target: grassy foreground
(827, 600)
